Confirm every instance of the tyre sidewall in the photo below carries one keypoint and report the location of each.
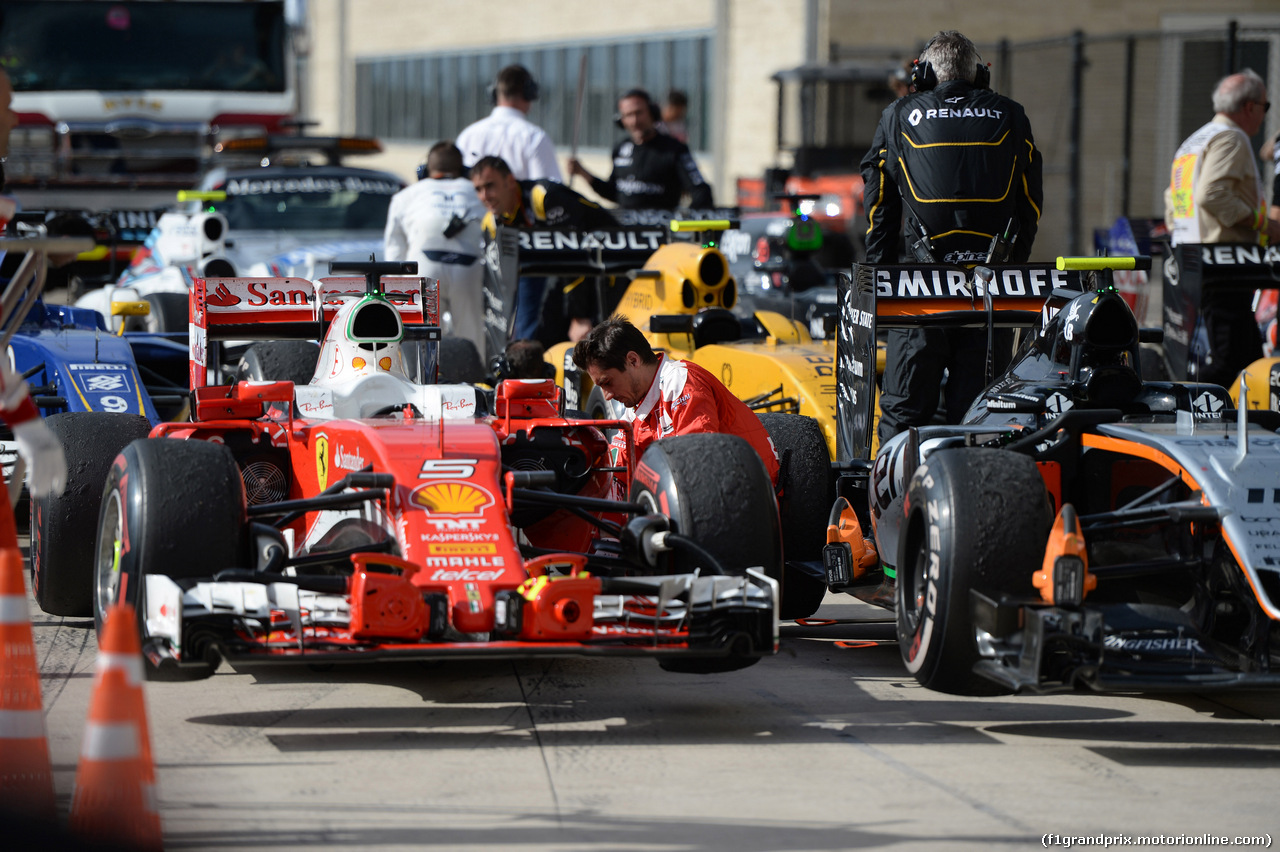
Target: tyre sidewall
(977, 520)
(123, 489)
(924, 598)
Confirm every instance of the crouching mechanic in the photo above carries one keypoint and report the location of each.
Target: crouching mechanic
(664, 397)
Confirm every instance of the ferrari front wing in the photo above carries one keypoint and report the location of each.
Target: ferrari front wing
(280, 619)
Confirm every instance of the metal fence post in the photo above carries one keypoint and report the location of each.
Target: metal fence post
(1229, 60)
(1073, 146)
(1126, 156)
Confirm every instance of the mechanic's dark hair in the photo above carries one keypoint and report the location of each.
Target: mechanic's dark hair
(655, 112)
(952, 56)
(498, 164)
(445, 158)
(677, 98)
(515, 81)
(608, 343)
(525, 361)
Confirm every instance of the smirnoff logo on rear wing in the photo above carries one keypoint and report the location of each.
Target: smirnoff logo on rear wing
(953, 282)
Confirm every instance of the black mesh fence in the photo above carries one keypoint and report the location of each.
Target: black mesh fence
(1108, 112)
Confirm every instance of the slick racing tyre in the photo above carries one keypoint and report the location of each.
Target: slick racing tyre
(169, 312)
(460, 362)
(183, 507)
(977, 519)
(63, 526)
(806, 495)
(279, 361)
(716, 491)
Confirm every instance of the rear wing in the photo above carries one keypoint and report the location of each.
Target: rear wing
(292, 309)
(1193, 269)
(898, 296)
(514, 253)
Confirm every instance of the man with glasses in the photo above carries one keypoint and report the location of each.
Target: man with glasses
(1215, 195)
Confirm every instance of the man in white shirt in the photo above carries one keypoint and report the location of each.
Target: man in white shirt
(508, 134)
(437, 223)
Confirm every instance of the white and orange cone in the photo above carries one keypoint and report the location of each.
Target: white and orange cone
(26, 777)
(115, 793)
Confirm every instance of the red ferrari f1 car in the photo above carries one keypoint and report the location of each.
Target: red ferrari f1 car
(373, 513)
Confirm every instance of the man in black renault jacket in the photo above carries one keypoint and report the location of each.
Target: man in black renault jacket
(651, 170)
(952, 167)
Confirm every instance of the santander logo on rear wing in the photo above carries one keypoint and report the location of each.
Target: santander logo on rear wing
(291, 309)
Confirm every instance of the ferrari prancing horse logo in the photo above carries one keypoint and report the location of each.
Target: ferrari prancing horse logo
(322, 461)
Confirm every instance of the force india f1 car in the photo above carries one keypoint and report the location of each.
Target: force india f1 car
(371, 515)
(1081, 527)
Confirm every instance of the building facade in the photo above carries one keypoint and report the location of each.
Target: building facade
(1111, 88)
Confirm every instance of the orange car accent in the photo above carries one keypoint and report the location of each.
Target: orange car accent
(386, 605)
(847, 530)
(559, 607)
(1064, 577)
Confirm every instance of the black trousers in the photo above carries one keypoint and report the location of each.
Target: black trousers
(1231, 337)
(917, 359)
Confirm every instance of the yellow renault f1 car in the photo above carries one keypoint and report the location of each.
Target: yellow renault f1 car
(682, 295)
(687, 302)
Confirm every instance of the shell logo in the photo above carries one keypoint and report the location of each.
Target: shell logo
(452, 498)
(358, 363)
(384, 363)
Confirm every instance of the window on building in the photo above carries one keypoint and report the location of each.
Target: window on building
(430, 96)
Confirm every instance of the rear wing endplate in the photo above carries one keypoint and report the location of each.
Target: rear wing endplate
(513, 253)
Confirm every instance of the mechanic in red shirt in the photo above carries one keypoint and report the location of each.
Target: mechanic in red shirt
(663, 396)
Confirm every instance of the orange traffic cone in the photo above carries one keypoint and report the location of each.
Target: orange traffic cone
(115, 798)
(26, 778)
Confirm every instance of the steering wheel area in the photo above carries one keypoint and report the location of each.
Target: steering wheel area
(397, 410)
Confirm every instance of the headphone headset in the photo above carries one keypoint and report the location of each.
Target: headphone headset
(528, 87)
(654, 110)
(924, 77)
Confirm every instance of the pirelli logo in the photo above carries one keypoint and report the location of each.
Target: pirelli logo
(456, 548)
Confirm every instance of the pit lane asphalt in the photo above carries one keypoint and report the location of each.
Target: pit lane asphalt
(821, 747)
